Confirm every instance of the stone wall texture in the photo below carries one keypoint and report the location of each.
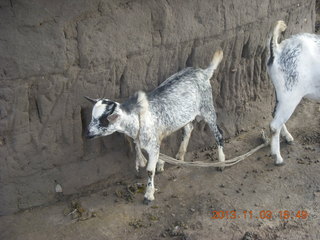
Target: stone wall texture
(52, 53)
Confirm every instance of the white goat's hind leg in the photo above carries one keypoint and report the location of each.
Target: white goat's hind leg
(151, 167)
(275, 145)
(185, 141)
(285, 133)
(284, 111)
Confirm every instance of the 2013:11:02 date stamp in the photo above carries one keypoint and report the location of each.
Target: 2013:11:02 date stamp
(263, 214)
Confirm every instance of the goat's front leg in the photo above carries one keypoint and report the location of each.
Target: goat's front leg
(140, 159)
(151, 167)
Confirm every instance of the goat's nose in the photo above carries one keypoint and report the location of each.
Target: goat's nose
(89, 135)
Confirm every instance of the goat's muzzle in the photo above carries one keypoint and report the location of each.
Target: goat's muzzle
(89, 135)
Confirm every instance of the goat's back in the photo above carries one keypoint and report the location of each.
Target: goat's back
(178, 99)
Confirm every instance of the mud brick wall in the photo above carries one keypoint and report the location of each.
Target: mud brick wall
(52, 53)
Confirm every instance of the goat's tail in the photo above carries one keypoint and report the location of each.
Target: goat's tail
(278, 29)
(142, 102)
(217, 58)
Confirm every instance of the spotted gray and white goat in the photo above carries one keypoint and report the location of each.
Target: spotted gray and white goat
(294, 67)
(148, 118)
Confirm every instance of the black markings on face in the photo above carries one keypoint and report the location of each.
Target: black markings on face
(104, 121)
(109, 109)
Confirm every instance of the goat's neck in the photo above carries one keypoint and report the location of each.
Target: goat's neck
(130, 125)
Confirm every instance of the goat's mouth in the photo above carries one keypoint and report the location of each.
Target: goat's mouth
(90, 135)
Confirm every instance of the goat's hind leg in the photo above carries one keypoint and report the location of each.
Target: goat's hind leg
(211, 118)
(185, 141)
(282, 115)
(182, 149)
(285, 133)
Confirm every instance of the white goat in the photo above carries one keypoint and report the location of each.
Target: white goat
(148, 118)
(294, 67)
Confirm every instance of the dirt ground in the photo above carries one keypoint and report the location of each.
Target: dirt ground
(187, 197)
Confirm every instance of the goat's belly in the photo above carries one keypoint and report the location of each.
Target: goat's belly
(171, 128)
(314, 95)
(312, 89)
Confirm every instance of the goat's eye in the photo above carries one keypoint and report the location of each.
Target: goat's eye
(104, 122)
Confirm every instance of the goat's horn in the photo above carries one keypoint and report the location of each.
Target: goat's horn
(91, 99)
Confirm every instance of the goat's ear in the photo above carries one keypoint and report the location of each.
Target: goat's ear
(94, 101)
(113, 117)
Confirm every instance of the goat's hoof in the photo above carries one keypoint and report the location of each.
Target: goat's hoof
(146, 201)
(160, 167)
(278, 160)
(179, 157)
(220, 169)
(279, 164)
(289, 141)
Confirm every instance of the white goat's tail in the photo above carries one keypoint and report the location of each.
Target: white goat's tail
(142, 102)
(278, 29)
(217, 58)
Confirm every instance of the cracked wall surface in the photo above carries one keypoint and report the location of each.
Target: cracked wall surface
(52, 53)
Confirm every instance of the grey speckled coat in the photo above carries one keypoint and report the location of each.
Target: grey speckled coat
(148, 118)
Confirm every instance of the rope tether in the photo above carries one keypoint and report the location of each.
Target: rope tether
(226, 163)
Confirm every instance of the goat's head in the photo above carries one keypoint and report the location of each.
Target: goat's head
(105, 119)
